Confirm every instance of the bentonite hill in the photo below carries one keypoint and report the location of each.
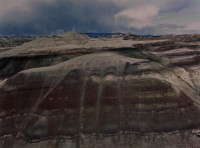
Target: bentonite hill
(121, 91)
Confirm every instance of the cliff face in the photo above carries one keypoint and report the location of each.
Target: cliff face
(108, 96)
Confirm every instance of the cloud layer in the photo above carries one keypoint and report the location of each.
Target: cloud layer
(137, 16)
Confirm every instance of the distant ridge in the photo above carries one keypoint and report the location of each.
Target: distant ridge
(96, 35)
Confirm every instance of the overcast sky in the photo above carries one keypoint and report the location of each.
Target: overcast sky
(137, 16)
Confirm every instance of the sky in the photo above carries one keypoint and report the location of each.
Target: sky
(42, 17)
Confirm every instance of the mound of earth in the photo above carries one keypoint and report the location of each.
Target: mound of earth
(110, 95)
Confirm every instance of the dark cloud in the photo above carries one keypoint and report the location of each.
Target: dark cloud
(138, 16)
(85, 16)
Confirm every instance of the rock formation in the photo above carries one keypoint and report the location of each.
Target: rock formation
(7, 43)
(103, 92)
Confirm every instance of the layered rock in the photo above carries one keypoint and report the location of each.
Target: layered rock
(96, 95)
(52, 50)
(181, 56)
(37, 54)
(110, 96)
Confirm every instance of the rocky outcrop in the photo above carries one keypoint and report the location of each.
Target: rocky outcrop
(111, 97)
(182, 56)
(12, 63)
(52, 50)
(7, 43)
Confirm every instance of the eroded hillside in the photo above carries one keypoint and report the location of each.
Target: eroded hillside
(120, 91)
